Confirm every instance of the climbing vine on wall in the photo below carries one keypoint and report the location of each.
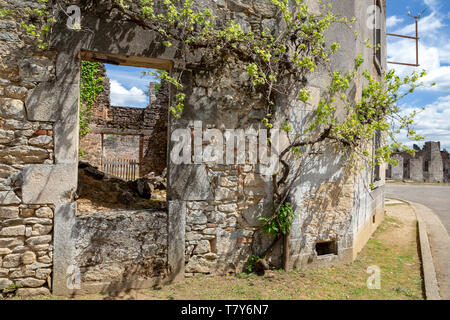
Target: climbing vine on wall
(90, 87)
(277, 62)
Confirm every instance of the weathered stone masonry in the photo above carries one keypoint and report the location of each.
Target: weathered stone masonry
(213, 210)
(428, 164)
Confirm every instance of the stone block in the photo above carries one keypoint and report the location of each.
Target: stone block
(253, 213)
(63, 255)
(44, 212)
(31, 292)
(10, 242)
(66, 142)
(55, 101)
(3, 272)
(22, 154)
(9, 36)
(198, 264)
(196, 217)
(30, 282)
(12, 109)
(36, 69)
(176, 239)
(45, 184)
(6, 136)
(9, 212)
(11, 260)
(43, 273)
(189, 182)
(28, 257)
(22, 273)
(34, 241)
(16, 92)
(5, 283)
(6, 170)
(12, 231)
(40, 141)
(203, 246)
(9, 197)
(4, 251)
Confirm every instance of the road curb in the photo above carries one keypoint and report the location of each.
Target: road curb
(429, 270)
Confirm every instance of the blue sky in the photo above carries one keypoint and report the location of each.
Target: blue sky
(128, 87)
(434, 57)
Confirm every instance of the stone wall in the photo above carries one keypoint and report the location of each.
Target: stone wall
(446, 162)
(26, 140)
(434, 164)
(416, 169)
(115, 146)
(224, 202)
(91, 148)
(213, 210)
(397, 171)
(26, 249)
(121, 249)
(428, 164)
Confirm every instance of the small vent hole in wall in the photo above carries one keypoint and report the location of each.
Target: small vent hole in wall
(325, 248)
(373, 219)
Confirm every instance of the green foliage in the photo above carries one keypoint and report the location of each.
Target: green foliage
(279, 224)
(5, 12)
(276, 62)
(251, 263)
(42, 23)
(91, 86)
(11, 289)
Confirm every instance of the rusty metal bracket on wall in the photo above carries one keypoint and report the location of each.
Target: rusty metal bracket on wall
(409, 37)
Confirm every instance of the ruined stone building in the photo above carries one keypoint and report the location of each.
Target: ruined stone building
(428, 164)
(126, 132)
(211, 225)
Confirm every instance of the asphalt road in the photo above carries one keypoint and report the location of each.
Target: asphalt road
(435, 197)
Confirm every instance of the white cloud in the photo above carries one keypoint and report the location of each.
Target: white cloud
(432, 4)
(433, 122)
(434, 57)
(120, 96)
(393, 21)
(434, 50)
(428, 25)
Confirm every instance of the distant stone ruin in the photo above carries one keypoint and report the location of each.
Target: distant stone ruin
(135, 133)
(428, 164)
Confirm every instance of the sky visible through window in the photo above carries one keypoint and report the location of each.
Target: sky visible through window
(434, 57)
(129, 88)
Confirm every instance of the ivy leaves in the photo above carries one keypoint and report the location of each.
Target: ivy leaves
(280, 223)
(91, 86)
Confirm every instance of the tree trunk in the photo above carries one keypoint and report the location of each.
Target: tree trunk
(286, 253)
